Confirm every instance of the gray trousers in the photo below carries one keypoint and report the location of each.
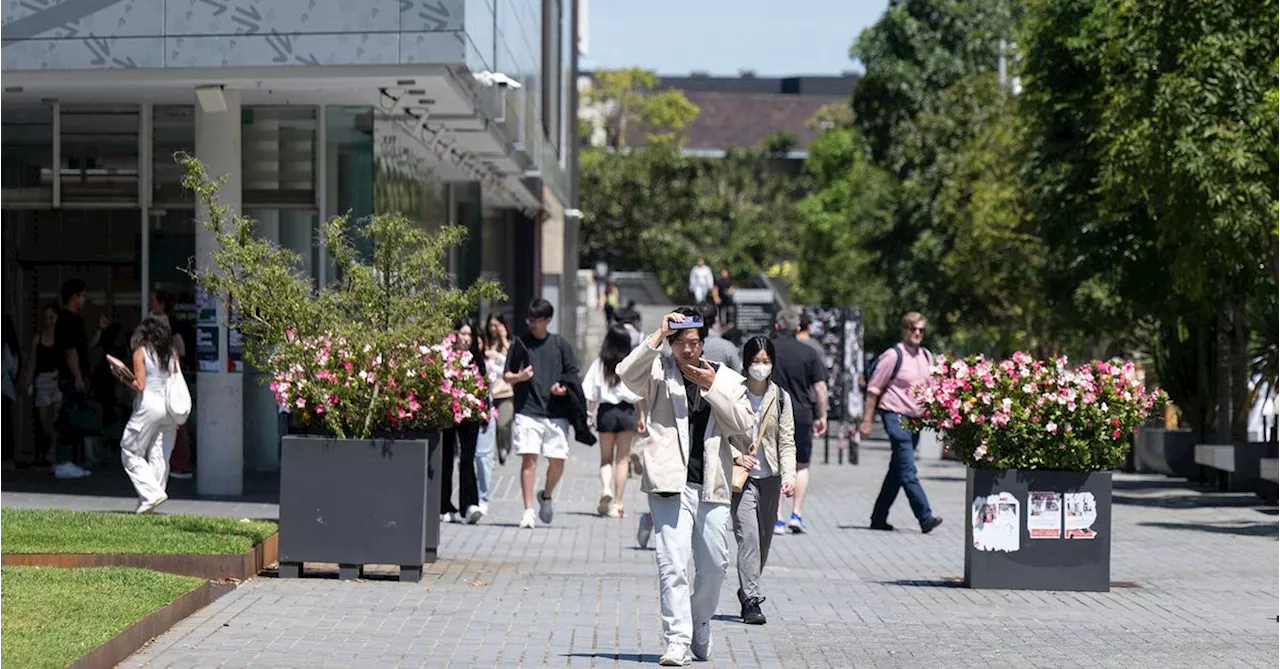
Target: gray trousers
(754, 511)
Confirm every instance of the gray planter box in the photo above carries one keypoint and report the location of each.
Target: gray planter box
(1168, 452)
(357, 502)
(1038, 530)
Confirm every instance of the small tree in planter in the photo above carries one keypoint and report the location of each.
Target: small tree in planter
(367, 367)
(1039, 439)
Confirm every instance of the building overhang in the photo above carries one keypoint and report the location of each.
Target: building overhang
(443, 115)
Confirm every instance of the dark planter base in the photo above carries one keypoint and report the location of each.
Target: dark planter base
(1038, 530)
(358, 503)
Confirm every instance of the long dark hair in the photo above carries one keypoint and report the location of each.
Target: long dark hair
(154, 333)
(501, 346)
(616, 346)
(477, 353)
(753, 347)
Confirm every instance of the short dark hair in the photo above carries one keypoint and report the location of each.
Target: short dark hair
(540, 308)
(71, 288)
(708, 312)
(805, 320)
(753, 347)
(686, 311)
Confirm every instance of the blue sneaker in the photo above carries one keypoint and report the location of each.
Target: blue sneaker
(796, 525)
(779, 528)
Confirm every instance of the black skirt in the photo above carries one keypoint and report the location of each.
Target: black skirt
(613, 418)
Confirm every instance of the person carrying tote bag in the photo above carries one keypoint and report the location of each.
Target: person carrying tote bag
(161, 402)
(770, 473)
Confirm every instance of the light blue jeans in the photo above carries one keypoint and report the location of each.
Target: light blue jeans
(484, 460)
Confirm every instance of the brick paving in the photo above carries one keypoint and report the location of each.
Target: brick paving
(1200, 570)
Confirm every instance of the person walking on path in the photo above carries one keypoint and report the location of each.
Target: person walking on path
(73, 377)
(539, 365)
(717, 348)
(896, 370)
(498, 347)
(150, 433)
(611, 408)
(612, 302)
(460, 442)
(800, 371)
(694, 409)
(700, 281)
(41, 381)
(773, 446)
(722, 296)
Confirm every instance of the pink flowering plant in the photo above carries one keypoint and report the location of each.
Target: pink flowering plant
(371, 353)
(1023, 413)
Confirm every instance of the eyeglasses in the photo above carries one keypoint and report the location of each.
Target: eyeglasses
(686, 343)
(916, 328)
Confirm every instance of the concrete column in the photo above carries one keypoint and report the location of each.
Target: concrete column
(555, 288)
(220, 417)
(261, 426)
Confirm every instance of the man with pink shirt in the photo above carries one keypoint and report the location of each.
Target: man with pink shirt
(896, 371)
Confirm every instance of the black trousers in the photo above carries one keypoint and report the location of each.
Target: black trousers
(460, 442)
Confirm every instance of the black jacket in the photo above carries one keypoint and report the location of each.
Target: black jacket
(573, 406)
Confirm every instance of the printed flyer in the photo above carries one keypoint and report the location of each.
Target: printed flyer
(1081, 510)
(996, 522)
(1044, 515)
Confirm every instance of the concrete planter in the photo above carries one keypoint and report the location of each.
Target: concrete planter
(1168, 452)
(357, 502)
(1038, 530)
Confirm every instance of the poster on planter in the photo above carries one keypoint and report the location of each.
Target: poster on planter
(1044, 515)
(1081, 510)
(996, 521)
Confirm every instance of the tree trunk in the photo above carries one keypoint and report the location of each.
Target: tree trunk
(1239, 371)
(1222, 371)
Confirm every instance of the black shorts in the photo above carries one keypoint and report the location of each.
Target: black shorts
(804, 443)
(613, 418)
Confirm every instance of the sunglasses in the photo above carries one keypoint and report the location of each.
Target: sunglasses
(916, 328)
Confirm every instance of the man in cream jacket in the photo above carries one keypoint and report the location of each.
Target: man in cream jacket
(693, 407)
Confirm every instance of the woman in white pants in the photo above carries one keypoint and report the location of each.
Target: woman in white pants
(149, 436)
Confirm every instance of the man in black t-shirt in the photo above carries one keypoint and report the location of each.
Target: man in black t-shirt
(73, 374)
(801, 372)
(537, 367)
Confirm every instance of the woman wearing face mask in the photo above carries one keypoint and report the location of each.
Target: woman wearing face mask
(773, 447)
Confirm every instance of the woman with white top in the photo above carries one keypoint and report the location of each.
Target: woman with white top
(149, 435)
(611, 411)
(773, 446)
(497, 348)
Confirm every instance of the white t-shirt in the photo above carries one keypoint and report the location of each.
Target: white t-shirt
(598, 390)
(761, 470)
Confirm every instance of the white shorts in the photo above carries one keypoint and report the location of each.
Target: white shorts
(548, 437)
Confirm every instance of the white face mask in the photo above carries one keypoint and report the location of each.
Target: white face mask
(760, 371)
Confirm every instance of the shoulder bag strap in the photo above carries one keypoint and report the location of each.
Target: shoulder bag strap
(764, 424)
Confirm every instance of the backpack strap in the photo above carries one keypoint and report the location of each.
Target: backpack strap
(897, 365)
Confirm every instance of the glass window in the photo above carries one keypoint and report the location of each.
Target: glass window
(28, 154)
(278, 156)
(99, 161)
(173, 130)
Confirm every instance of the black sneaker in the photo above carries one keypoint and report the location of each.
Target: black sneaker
(881, 526)
(928, 525)
(751, 613)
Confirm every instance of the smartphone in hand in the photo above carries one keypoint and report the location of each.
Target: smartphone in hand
(119, 368)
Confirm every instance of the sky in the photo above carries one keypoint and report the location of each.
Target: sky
(722, 37)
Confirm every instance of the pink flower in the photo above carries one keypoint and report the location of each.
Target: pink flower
(301, 403)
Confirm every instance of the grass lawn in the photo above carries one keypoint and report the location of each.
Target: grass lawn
(54, 616)
(58, 531)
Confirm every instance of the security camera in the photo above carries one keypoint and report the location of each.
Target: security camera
(497, 79)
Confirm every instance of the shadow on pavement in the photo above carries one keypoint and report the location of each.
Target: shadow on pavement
(1268, 529)
(642, 658)
(1191, 499)
(952, 582)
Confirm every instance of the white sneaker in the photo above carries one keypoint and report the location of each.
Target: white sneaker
(474, 514)
(529, 521)
(484, 508)
(148, 507)
(677, 655)
(546, 510)
(606, 500)
(702, 641)
(69, 470)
